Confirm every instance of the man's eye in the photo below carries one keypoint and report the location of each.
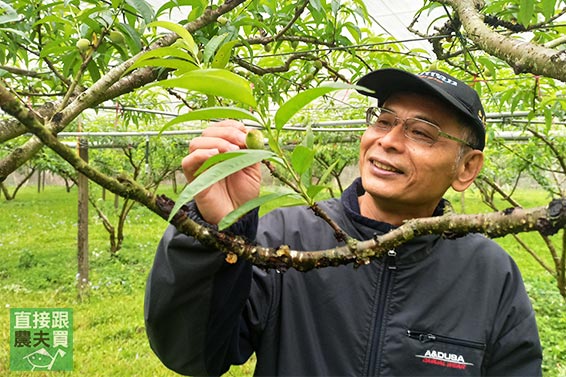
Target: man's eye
(422, 131)
(382, 122)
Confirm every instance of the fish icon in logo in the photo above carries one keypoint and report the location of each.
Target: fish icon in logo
(43, 359)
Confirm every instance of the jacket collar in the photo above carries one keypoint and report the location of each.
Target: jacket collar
(411, 251)
(352, 207)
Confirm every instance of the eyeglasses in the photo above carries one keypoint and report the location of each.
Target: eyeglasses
(419, 130)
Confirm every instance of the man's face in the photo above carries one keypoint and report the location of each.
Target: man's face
(400, 175)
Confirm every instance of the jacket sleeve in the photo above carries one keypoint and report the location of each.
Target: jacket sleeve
(517, 350)
(193, 304)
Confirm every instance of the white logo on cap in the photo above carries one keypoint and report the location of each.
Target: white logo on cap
(438, 76)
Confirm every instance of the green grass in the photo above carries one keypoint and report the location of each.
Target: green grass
(38, 238)
(38, 268)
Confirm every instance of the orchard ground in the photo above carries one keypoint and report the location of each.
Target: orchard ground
(38, 238)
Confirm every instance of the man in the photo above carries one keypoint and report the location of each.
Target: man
(432, 307)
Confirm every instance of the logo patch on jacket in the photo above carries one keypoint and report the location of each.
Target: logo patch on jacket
(444, 359)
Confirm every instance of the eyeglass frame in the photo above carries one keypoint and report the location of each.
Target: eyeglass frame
(403, 122)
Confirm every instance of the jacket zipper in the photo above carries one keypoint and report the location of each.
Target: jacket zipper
(425, 337)
(389, 266)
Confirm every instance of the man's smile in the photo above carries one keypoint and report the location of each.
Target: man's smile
(384, 166)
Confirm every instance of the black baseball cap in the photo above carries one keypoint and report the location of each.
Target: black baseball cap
(456, 93)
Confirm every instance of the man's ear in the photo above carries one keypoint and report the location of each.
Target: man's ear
(467, 170)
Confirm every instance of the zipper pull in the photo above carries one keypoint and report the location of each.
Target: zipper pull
(421, 336)
(391, 260)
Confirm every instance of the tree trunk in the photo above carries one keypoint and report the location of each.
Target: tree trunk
(5, 191)
(39, 181)
(82, 237)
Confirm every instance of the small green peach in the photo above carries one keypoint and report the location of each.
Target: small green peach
(116, 37)
(254, 139)
(83, 44)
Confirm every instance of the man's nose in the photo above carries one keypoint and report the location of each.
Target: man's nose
(395, 136)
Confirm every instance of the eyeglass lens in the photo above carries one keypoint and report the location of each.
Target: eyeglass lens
(414, 129)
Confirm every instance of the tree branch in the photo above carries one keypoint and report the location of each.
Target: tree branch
(546, 220)
(521, 56)
(281, 68)
(338, 232)
(23, 72)
(296, 16)
(12, 106)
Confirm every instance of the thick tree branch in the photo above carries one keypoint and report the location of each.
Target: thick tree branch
(520, 55)
(543, 219)
(23, 72)
(547, 220)
(488, 199)
(12, 106)
(10, 128)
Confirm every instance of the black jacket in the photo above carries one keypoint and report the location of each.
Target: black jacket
(432, 307)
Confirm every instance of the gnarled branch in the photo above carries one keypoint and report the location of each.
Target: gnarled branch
(520, 55)
(546, 220)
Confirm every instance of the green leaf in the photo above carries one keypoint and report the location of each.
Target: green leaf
(354, 30)
(181, 31)
(216, 173)
(212, 46)
(162, 52)
(327, 172)
(526, 11)
(316, 5)
(48, 19)
(144, 9)
(308, 141)
(181, 66)
(548, 8)
(133, 38)
(93, 70)
(548, 117)
(314, 190)
(14, 31)
(216, 82)
(171, 5)
(212, 113)
(233, 216)
(228, 155)
(302, 158)
(335, 6)
(222, 57)
(291, 107)
(7, 14)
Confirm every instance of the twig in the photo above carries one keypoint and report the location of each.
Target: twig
(298, 13)
(339, 233)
